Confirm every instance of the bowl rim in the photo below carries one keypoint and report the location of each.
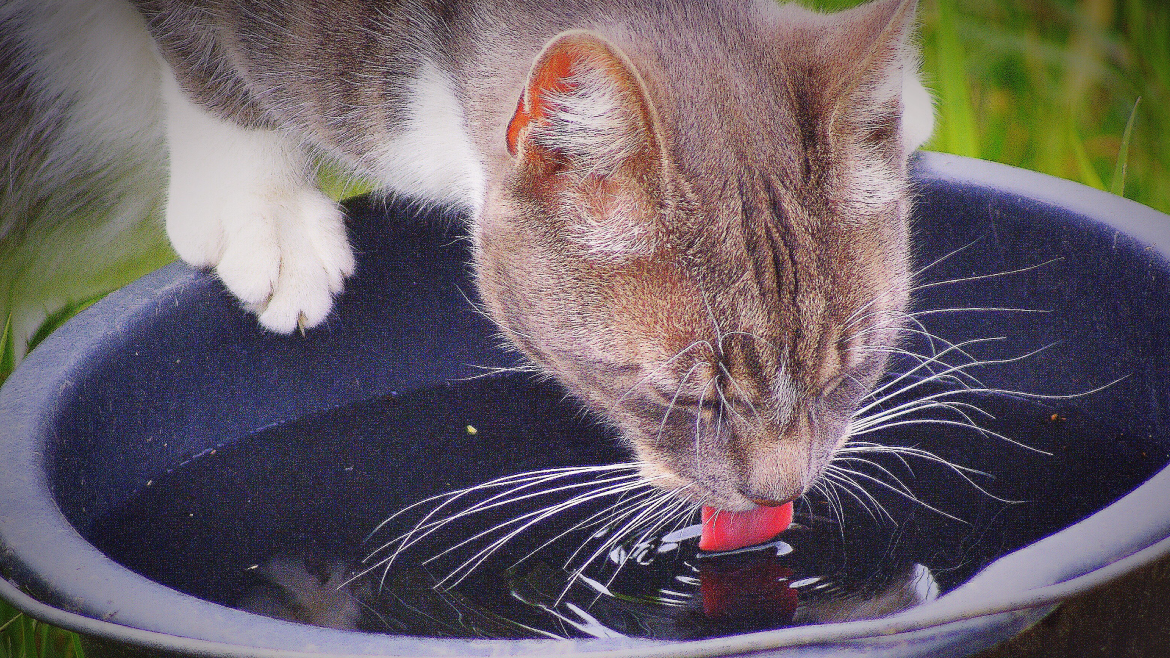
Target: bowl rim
(1011, 593)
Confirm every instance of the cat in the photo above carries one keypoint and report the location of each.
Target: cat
(694, 215)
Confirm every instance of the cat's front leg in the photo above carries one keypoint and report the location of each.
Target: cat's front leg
(244, 201)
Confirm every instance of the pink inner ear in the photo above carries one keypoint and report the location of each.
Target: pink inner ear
(553, 73)
(519, 120)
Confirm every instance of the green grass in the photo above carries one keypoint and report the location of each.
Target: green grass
(1049, 85)
(24, 637)
(1054, 86)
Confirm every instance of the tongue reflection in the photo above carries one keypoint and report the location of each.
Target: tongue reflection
(727, 531)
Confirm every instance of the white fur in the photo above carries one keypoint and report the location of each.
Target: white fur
(432, 157)
(917, 110)
(91, 70)
(94, 60)
(871, 185)
(244, 201)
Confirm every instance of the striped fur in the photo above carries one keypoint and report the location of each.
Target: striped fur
(692, 214)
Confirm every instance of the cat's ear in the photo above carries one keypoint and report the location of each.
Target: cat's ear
(872, 66)
(586, 135)
(584, 103)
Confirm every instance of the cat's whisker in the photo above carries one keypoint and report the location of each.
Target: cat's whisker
(955, 423)
(522, 523)
(978, 309)
(502, 498)
(723, 405)
(616, 484)
(743, 393)
(674, 509)
(957, 407)
(935, 341)
(656, 515)
(921, 329)
(899, 489)
(699, 419)
(665, 364)
(618, 536)
(838, 507)
(755, 337)
(476, 306)
(936, 401)
(617, 533)
(426, 526)
(607, 518)
(984, 277)
(981, 363)
(648, 508)
(828, 490)
(491, 371)
(669, 499)
(859, 315)
(885, 417)
(934, 366)
(954, 252)
(839, 478)
(870, 426)
(879, 395)
(901, 452)
(670, 407)
(856, 460)
(876, 511)
(451, 496)
(869, 447)
(932, 340)
(499, 500)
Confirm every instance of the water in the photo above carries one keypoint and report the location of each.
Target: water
(280, 523)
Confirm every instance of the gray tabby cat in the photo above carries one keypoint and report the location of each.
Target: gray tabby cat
(692, 214)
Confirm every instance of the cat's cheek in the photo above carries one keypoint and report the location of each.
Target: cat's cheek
(658, 474)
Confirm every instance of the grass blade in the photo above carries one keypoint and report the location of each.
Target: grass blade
(1089, 175)
(10, 621)
(7, 350)
(957, 118)
(59, 317)
(1118, 185)
(338, 183)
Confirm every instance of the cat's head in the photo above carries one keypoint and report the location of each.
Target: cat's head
(705, 237)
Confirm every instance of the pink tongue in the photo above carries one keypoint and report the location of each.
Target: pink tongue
(727, 531)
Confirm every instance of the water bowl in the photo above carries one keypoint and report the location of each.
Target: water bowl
(174, 478)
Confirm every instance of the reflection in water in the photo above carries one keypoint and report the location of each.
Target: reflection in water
(660, 587)
(296, 589)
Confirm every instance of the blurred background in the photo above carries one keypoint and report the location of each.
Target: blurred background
(1079, 89)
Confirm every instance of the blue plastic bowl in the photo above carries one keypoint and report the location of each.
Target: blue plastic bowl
(169, 368)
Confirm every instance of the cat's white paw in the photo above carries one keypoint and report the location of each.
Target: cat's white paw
(314, 260)
(282, 253)
(243, 201)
